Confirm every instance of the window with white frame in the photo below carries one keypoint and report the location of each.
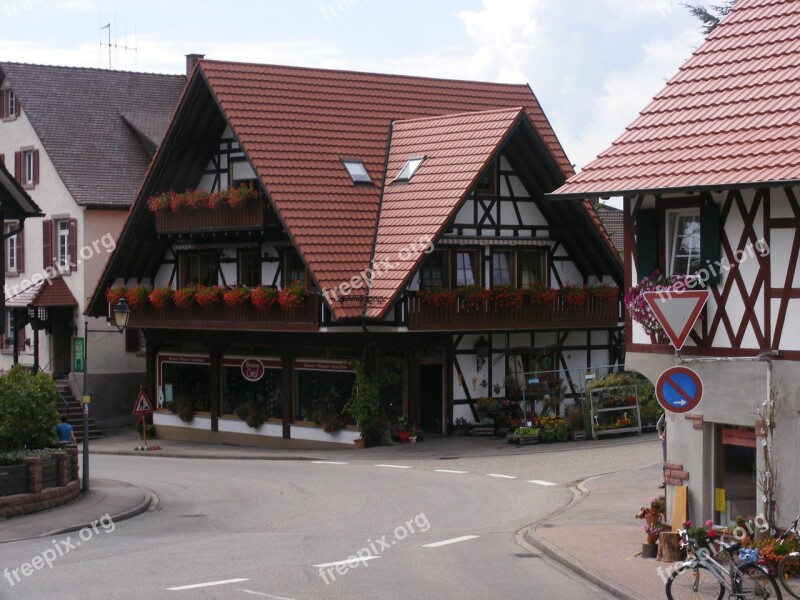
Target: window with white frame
(10, 108)
(62, 245)
(683, 241)
(11, 248)
(28, 172)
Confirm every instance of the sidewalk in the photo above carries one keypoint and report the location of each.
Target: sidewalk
(595, 535)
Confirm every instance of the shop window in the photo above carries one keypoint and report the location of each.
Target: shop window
(250, 267)
(239, 395)
(433, 275)
(323, 393)
(185, 384)
(532, 268)
(198, 268)
(502, 268)
(467, 268)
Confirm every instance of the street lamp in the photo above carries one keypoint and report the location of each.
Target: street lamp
(122, 313)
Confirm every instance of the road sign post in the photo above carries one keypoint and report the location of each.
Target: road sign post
(143, 407)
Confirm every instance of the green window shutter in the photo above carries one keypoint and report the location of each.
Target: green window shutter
(646, 242)
(710, 251)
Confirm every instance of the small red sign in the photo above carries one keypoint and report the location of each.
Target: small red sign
(252, 369)
(142, 405)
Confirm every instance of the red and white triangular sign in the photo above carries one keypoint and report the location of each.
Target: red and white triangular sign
(142, 405)
(677, 311)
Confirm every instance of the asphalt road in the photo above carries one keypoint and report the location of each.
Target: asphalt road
(292, 530)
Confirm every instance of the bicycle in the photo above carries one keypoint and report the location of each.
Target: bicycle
(789, 566)
(703, 577)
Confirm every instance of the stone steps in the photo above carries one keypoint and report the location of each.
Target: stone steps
(73, 408)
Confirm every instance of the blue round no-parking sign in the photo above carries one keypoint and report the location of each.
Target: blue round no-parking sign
(679, 390)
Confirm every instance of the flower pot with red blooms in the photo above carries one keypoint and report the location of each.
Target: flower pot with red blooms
(574, 295)
(114, 294)
(541, 294)
(475, 299)
(184, 297)
(137, 295)
(236, 296)
(161, 297)
(507, 297)
(292, 296)
(605, 292)
(437, 298)
(263, 296)
(208, 295)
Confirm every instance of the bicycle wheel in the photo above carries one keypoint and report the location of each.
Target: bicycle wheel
(694, 583)
(789, 574)
(757, 583)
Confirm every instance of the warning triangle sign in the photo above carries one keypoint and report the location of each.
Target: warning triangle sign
(677, 311)
(142, 405)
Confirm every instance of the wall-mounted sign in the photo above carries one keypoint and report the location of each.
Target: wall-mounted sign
(734, 436)
(252, 369)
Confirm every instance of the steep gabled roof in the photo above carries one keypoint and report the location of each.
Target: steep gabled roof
(456, 149)
(296, 124)
(46, 293)
(729, 117)
(90, 122)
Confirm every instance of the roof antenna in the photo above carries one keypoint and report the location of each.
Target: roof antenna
(117, 46)
(106, 26)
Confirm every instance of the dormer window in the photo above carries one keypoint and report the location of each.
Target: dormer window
(408, 170)
(357, 171)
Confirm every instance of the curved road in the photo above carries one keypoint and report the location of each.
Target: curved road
(285, 529)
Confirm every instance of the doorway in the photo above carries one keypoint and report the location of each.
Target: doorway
(736, 472)
(431, 398)
(62, 330)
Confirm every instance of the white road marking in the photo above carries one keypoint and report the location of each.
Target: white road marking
(262, 594)
(328, 462)
(463, 538)
(501, 476)
(194, 586)
(394, 466)
(358, 559)
(449, 471)
(540, 482)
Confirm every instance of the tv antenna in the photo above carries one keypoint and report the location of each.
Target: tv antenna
(116, 46)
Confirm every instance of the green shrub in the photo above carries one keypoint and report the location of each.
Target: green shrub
(28, 413)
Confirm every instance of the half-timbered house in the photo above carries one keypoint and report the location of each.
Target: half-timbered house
(363, 202)
(709, 173)
(78, 141)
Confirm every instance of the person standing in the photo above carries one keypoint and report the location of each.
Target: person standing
(65, 433)
(661, 428)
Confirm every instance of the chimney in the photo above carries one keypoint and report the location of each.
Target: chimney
(191, 62)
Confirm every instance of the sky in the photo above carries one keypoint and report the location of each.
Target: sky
(593, 64)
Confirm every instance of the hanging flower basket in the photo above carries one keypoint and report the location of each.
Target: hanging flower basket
(291, 296)
(638, 308)
(208, 295)
(160, 297)
(263, 296)
(236, 296)
(184, 297)
(137, 295)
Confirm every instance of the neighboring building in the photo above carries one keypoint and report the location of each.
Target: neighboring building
(613, 222)
(710, 173)
(78, 141)
(355, 174)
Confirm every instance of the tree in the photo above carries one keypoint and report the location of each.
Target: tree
(711, 16)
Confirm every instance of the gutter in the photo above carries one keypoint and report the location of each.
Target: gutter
(375, 230)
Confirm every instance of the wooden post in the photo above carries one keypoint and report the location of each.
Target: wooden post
(669, 547)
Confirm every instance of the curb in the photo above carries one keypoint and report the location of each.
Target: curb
(149, 503)
(528, 534)
(200, 455)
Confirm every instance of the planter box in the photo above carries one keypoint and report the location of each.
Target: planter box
(526, 440)
(252, 216)
(50, 473)
(13, 480)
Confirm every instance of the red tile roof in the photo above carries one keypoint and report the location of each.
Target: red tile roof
(47, 293)
(296, 124)
(456, 148)
(728, 117)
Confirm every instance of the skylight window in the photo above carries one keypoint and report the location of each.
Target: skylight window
(357, 172)
(408, 170)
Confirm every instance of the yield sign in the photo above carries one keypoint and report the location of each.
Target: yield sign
(142, 405)
(676, 311)
(679, 389)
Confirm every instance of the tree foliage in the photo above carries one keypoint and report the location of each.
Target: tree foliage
(710, 16)
(28, 412)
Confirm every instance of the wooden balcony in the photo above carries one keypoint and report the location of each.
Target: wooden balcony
(594, 312)
(222, 317)
(255, 215)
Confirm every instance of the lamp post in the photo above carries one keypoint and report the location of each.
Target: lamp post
(122, 313)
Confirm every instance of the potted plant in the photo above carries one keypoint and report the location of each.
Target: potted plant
(292, 295)
(208, 295)
(604, 291)
(439, 298)
(252, 414)
(137, 295)
(507, 296)
(638, 308)
(364, 405)
(241, 195)
(574, 294)
(474, 298)
(113, 294)
(184, 297)
(332, 422)
(541, 294)
(528, 435)
(161, 296)
(236, 296)
(263, 296)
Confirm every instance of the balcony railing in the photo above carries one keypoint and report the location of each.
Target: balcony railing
(254, 215)
(594, 312)
(220, 316)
